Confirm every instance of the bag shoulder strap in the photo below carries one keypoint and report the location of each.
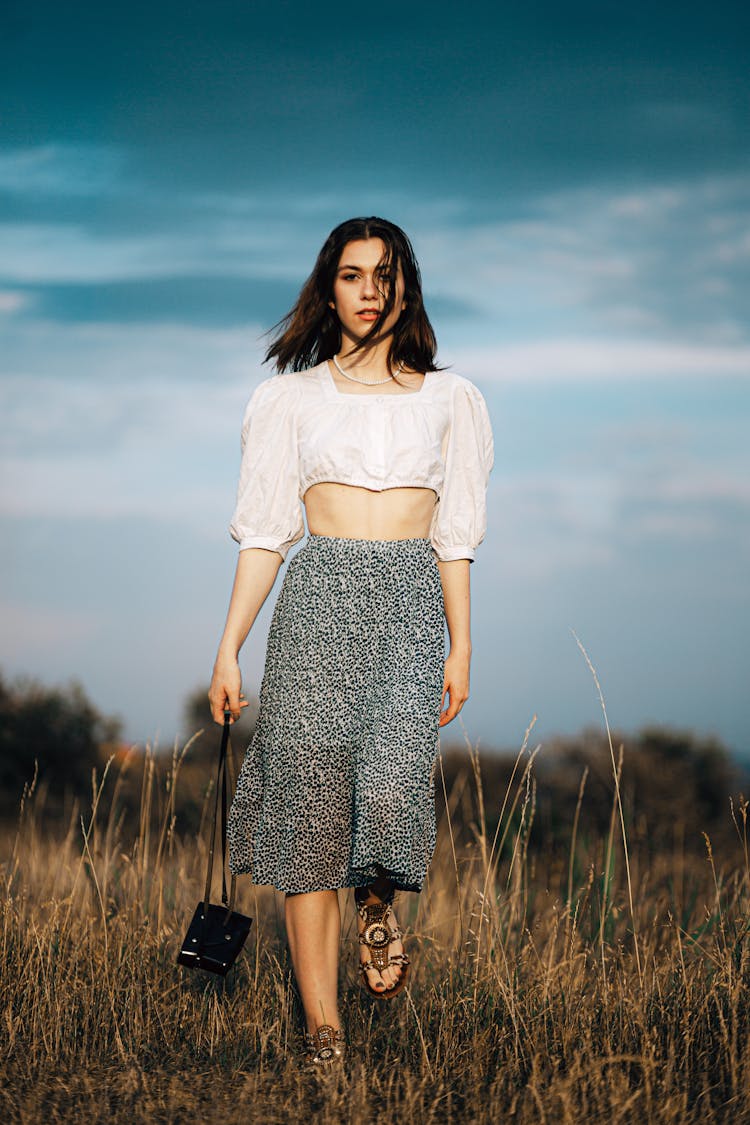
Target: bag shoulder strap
(225, 750)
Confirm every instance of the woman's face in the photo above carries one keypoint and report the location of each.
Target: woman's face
(361, 286)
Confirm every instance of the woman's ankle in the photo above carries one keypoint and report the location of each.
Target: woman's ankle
(312, 1026)
(381, 889)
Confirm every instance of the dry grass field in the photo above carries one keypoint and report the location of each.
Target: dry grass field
(571, 982)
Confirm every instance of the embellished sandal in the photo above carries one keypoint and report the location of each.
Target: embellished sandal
(376, 937)
(324, 1048)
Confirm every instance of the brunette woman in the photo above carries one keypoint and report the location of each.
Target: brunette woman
(390, 456)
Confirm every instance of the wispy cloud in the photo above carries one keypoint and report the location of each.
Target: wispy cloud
(12, 301)
(125, 355)
(63, 170)
(661, 261)
(584, 359)
(103, 423)
(653, 262)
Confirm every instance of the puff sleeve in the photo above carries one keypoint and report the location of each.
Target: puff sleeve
(268, 512)
(460, 519)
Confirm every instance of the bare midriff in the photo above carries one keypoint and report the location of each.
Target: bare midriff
(351, 512)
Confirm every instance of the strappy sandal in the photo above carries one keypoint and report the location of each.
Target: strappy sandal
(324, 1048)
(377, 937)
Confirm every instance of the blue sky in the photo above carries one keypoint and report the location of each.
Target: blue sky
(576, 181)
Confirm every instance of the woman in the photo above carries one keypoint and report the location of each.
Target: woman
(390, 456)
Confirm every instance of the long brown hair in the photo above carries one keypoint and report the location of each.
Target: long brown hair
(311, 332)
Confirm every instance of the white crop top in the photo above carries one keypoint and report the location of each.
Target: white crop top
(299, 430)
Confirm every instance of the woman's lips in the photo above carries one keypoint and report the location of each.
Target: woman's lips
(368, 314)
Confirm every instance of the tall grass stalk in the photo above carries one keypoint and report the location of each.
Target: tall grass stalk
(618, 798)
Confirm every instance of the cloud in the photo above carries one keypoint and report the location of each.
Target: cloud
(62, 169)
(657, 261)
(591, 282)
(126, 355)
(106, 423)
(580, 360)
(214, 301)
(104, 451)
(556, 523)
(663, 260)
(13, 301)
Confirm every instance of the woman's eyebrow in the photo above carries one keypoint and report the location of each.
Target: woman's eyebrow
(379, 266)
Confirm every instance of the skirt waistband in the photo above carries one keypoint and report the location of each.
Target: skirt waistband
(359, 548)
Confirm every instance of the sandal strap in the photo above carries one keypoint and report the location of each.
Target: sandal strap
(325, 1046)
(399, 959)
(395, 935)
(375, 912)
(377, 934)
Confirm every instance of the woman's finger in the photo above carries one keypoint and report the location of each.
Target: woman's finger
(457, 698)
(217, 712)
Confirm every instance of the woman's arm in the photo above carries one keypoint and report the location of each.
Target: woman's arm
(256, 573)
(456, 596)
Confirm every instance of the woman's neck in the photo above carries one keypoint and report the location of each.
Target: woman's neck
(370, 362)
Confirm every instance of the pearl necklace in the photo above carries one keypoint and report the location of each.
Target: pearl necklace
(365, 382)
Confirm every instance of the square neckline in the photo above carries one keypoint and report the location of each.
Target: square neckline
(333, 389)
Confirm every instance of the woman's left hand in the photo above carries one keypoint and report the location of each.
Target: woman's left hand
(455, 685)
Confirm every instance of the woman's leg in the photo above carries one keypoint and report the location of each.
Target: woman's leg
(313, 926)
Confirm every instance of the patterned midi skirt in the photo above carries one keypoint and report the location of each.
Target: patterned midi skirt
(337, 785)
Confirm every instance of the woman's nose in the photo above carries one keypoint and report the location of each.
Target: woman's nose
(369, 288)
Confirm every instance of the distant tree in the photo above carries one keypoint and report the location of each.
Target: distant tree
(675, 785)
(59, 729)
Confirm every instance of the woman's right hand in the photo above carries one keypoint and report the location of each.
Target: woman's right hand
(224, 693)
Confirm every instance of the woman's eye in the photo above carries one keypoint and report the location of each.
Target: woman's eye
(349, 277)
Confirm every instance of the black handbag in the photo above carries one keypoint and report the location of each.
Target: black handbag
(217, 933)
